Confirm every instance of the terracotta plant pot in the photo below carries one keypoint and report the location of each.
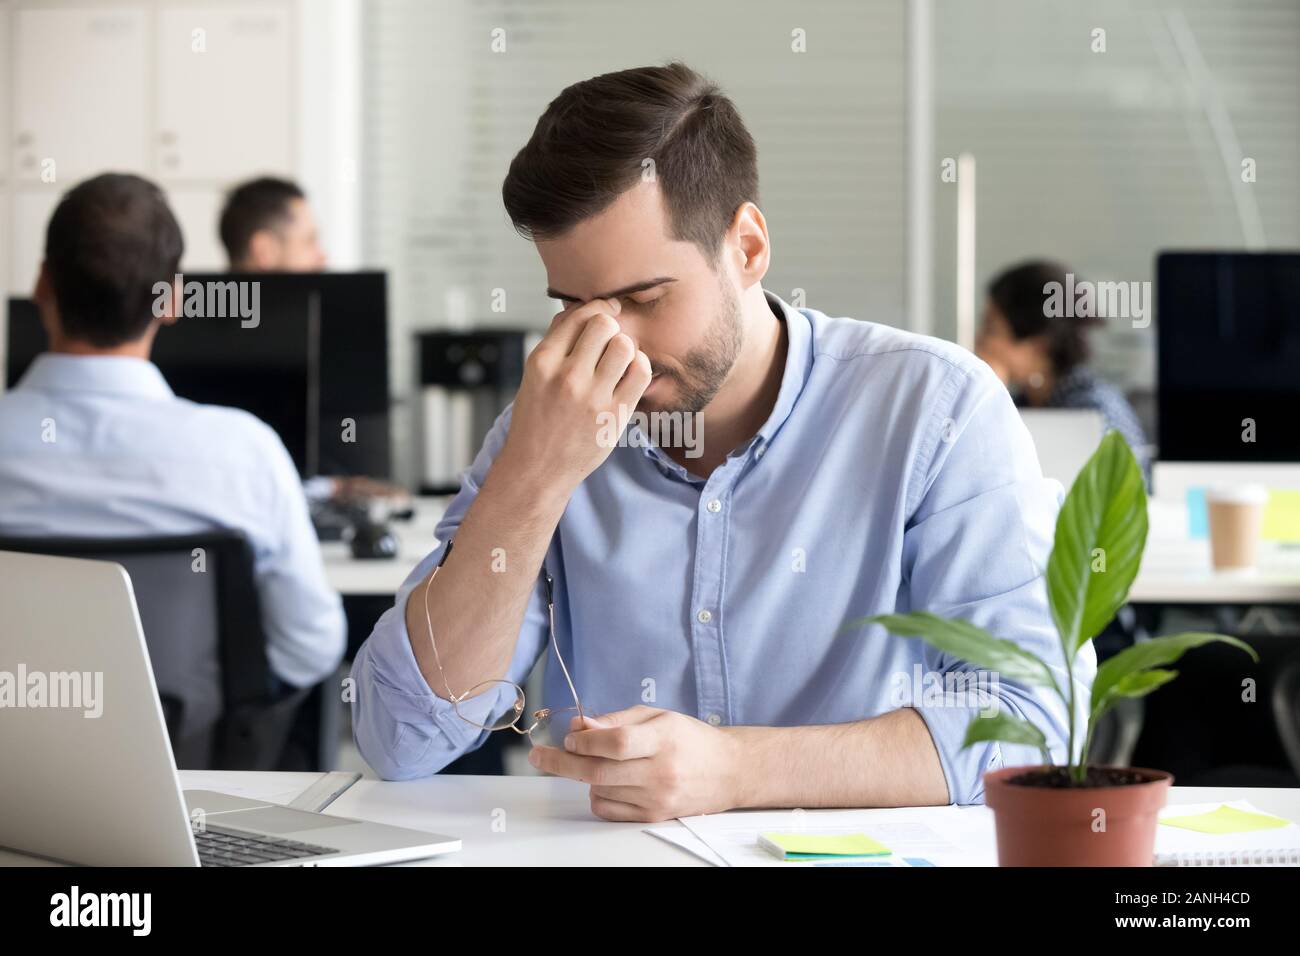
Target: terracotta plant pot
(1075, 826)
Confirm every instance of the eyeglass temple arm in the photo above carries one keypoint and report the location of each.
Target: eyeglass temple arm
(550, 610)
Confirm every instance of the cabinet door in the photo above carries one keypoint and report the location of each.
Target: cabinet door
(31, 215)
(6, 94)
(197, 209)
(6, 267)
(80, 82)
(226, 82)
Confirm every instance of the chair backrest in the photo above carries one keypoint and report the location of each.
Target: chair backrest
(1286, 711)
(199, 608)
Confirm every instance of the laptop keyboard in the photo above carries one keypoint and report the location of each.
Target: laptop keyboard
(221, 847)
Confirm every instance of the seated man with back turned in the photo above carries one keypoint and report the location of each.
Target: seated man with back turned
(93, 443)
(701, 589)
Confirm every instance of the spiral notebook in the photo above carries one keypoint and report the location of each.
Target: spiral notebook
(1225, 834)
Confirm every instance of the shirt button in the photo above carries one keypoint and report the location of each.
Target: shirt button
(715, 719)
(715, 506)
(704, 617)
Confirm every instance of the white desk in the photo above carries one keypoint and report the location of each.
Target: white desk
(1175, 569)
(381, 576)
(548, 820)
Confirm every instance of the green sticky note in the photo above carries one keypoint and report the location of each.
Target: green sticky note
(1226, 819)
(1282, 516)
(811, 846)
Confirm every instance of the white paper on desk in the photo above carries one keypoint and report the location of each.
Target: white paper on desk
(1177, 845)
(684, 839)
(924, 836)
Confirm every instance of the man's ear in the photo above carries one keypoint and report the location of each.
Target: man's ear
(748, 243)
(43, 296)
(168, 300)
(43, 293)
(263, 254)
(176, 305)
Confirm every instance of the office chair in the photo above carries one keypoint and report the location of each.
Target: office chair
(202, 624)
(1286, 711)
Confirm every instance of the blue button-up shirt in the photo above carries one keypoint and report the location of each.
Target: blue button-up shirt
(100, 446)
(893, 474)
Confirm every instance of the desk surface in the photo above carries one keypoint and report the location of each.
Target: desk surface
(1175, 569)
(547, 821)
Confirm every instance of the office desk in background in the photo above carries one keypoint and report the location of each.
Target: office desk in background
(1175, 569)
(547, 821)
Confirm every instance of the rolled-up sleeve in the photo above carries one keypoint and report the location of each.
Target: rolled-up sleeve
(401, 727)
(976, 548)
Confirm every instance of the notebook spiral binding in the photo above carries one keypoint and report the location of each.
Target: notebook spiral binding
(1232, 858)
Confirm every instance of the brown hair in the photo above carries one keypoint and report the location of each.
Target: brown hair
(591, 144)
(1020, 295)
(110, 240)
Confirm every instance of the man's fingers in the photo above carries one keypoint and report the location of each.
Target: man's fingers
(617, 811)
(632, 715)
(593, 770)
(634, 382)
(568, 325)
(627, 742)
(634, 796)
(615, 718)
(620, 352)
(589, 348)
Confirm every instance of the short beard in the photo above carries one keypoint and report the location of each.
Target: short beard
(704, 370)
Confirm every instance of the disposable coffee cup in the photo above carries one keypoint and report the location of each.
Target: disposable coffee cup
(1236, 518)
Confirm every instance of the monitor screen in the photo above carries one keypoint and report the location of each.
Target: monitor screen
(312, 363)
(1228, 326)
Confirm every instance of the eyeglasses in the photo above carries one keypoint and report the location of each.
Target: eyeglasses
(542, 720)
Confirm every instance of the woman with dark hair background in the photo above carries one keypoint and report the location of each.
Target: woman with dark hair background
(1043, 358)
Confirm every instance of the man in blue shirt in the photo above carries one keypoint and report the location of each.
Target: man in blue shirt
(93, 443)
(701, 587)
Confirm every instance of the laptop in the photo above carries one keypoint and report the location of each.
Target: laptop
(89, 776)
(1065, 439)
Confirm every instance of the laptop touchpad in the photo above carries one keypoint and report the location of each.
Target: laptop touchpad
(284, 820)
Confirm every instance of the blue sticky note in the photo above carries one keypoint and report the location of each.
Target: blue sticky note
(1198, 516)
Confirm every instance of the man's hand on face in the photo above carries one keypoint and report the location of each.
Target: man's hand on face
(582, 372)
(647, 765)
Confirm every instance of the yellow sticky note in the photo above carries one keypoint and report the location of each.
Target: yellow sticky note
(1282, 516)
(1226, 819)
(795, 845)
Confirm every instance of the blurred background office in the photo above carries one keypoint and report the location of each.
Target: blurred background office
(909, 153)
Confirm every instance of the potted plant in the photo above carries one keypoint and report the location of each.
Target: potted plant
(1076, 814)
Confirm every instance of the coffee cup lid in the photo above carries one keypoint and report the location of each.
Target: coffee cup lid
(1238, 494)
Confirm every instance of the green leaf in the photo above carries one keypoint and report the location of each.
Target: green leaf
(1106, 509)
(1153, 653)
(1007, 729)
(964, 640)
(1137, 684)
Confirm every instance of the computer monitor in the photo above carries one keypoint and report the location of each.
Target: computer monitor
(1228, 331)
(312, 364)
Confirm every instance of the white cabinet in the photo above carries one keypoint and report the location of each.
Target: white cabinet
(196, 209)
(31, 215)
(6, 137)
(6, 287)
(224, 93)
(80, 91)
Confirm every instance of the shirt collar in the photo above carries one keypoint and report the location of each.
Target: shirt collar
(798, 366)
(113, 374)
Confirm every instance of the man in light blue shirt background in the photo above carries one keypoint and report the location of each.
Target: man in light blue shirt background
(93, 443)
(701, 591)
